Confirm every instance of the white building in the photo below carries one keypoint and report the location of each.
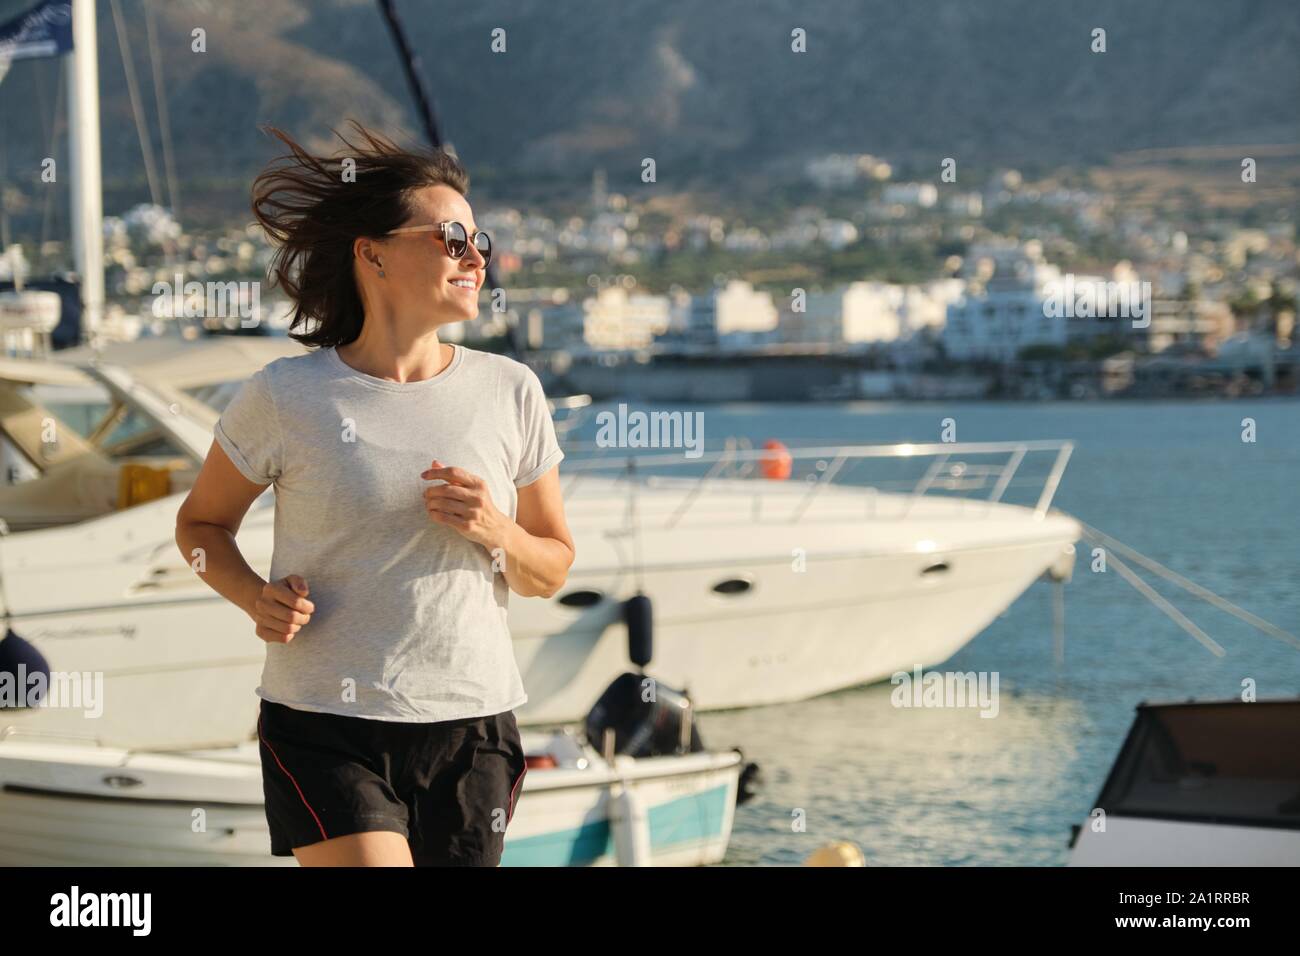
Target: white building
(1014, 299)
(1001, 310)
(841, 170)
(733, 314)
(739, 307)
(871, 312)
(615, 319)
(926, 306)
(924, 195)
(1198, 324)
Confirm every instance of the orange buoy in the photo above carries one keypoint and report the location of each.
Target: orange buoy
(776, 463)
(840, 853)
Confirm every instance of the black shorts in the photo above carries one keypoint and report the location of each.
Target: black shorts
(449, 787)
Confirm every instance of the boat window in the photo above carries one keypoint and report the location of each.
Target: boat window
(1224, 763)
(216, 395)
(133, 436)
(81, 417)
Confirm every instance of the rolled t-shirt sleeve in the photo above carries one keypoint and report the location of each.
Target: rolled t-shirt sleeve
(541, 450)
(249, 431)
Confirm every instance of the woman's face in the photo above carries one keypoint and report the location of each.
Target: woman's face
(420, 278)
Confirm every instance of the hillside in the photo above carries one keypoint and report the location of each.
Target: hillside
(708, 89)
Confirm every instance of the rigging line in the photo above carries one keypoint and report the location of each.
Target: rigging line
(47, 214)
(424, 111)
(4, 176)
(1177, 616)
(637, 563)
(128, 66)
(38, 82)
(4, 219)
(42, 109)
(164, 119)
(411, 68)
(1205, 594)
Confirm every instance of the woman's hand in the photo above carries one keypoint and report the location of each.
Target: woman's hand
(465, 504)
(282, 609)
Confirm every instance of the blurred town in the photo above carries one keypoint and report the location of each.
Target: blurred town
(855, 282)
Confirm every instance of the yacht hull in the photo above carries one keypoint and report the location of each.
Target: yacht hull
(811, 600)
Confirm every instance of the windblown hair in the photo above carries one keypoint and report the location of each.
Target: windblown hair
(314, 209)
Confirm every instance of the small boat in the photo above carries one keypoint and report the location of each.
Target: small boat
(642, 802)
(1200, 784)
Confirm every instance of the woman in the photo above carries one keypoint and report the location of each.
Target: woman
(415, 486)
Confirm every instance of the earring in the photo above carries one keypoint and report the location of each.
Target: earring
(381, 270)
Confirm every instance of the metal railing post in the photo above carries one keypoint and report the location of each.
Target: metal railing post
(1008, 472)
(1053, 479)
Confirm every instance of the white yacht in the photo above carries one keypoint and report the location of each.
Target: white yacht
(763, 589)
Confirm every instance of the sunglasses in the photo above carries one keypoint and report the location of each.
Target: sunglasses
(453, 236)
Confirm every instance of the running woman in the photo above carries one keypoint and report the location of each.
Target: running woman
(415, 487)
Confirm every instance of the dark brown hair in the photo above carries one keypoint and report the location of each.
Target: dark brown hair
(314, 215)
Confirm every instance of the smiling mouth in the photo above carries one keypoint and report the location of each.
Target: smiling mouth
(469, 285)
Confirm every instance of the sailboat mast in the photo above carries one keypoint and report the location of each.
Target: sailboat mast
(410, 61)
(87, 189)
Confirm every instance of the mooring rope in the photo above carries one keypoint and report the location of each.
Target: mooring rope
(1204, 593)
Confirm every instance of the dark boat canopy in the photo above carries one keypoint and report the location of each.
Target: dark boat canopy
(1215, 762)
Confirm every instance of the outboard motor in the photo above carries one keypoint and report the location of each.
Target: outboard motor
(751, 781)
(655, 727)
(648, 718)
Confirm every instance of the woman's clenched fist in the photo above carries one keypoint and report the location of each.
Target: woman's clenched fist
(282, 609)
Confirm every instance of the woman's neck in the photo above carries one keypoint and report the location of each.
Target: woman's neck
(385, 350)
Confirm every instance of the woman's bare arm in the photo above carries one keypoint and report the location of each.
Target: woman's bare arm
(536, 547)
(539, 543)
(205, 533)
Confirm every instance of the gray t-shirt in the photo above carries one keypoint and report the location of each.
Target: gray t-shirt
(410, 619)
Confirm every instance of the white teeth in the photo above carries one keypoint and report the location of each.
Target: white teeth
(463, 283)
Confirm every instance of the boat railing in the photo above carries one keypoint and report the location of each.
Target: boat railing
(568, 412)
(983, 471)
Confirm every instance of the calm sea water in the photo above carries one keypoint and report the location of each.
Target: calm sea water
(947, 787)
